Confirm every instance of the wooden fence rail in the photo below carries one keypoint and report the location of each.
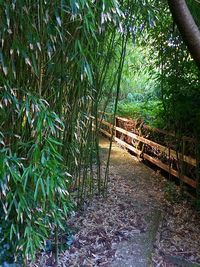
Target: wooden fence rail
(111, 130)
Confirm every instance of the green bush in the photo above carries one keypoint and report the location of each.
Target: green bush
(149, 111)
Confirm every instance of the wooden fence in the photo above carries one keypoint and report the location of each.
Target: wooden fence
(177, 163)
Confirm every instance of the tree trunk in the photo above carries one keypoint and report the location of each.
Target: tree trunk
(187, 27)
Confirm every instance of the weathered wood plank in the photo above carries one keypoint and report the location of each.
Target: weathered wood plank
(156, 162)
(121, 142)
(133, 149)
(105, 132)
(162, 148)
(175, 173)
(186, 138)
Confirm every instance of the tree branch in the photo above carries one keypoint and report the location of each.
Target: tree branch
(187, 27)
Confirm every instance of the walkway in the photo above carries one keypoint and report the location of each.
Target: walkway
(142, 223)
(137, 178)
(146, 194)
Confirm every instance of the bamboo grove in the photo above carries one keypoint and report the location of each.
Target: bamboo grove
(54, 59)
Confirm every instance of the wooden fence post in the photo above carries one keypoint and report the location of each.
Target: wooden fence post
(182, 169)
(198, 170)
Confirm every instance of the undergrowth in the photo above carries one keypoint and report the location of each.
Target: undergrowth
(148, 111)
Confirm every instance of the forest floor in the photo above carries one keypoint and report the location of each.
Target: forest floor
(143, 222)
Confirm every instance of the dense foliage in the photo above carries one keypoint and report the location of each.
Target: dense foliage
(160, 80)
(54, 60)
(178, 76)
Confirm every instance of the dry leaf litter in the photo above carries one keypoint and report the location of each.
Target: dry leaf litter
(106, 222)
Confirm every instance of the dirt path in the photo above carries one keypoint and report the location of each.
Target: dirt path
(171, 237)
(135, 226)
(135, 187)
